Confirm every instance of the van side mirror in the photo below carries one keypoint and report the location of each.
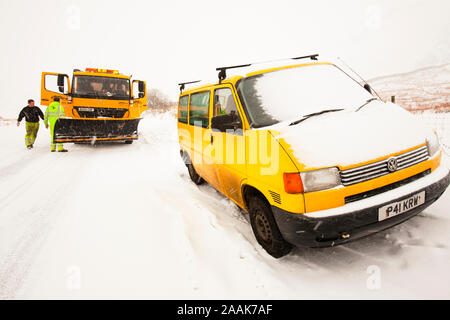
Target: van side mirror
(226, 122)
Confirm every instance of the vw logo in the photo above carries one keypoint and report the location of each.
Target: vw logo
(392, 164)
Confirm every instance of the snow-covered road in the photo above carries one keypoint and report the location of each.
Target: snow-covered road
(124, 221)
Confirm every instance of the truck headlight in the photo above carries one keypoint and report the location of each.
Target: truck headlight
(433, 144)
(321, 179)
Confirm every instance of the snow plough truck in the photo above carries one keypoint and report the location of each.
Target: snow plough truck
(99, 105)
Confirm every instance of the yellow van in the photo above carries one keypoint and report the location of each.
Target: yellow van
(310, 153)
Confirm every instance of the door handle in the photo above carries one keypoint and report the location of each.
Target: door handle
(212, 139)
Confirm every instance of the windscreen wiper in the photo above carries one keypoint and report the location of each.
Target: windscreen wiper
(313, 114)
(366, 103)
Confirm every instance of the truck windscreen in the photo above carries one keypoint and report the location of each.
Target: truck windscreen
(101, 87)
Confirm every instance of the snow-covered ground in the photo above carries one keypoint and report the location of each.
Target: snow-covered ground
(125, 221)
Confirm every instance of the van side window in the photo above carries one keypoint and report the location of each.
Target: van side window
(183, 109)
(225, 112)
(199, 109)
(224, 102)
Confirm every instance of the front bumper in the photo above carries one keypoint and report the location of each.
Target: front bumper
(357, 219)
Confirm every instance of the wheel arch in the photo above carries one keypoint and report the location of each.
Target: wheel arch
(185, 157)
(248, 191)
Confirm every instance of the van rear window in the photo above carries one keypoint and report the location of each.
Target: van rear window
(199, 109)
(183, 109)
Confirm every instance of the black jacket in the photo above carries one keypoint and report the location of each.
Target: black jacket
(31, 114)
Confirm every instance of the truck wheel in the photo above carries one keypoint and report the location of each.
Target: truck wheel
(265, 228)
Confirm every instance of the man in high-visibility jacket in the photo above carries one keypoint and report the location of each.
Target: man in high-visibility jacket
(52, 114)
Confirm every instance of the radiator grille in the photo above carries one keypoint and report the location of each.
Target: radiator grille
(389, 187)
(90, 112)
(380, 168)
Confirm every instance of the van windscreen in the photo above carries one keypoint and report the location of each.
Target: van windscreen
(289, 94)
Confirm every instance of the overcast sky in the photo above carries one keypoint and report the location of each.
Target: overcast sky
(166, 42)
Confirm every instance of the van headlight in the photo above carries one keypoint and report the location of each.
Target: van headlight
(321, 179)
(433, 144)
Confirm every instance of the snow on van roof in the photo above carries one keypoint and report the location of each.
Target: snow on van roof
(234, 74)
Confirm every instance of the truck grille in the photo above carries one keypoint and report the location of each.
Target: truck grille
(89, 112)
(380, 168)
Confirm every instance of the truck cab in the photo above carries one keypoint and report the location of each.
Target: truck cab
(99, 105)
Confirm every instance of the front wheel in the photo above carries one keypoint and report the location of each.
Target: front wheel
(266, 229)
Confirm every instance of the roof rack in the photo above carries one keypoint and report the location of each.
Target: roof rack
(312, 57)
(223, 70)
(184, 83)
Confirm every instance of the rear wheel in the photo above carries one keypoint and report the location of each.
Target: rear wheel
(195, 177)
(265, 228)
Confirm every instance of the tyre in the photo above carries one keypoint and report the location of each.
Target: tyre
(265, 228)
(128, 141)
(195, 177)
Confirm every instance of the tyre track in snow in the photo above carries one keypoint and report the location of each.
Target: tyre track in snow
(41, 214)
(210, 225)
(236, 225)
(14, 165)
(32, 176)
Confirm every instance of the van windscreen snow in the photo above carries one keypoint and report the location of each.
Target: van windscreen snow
(289, 94)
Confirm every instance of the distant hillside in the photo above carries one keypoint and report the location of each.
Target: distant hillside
(5, 122)
(423, 89)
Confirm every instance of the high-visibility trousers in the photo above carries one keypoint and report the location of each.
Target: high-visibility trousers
(53, 145)
(32, 129)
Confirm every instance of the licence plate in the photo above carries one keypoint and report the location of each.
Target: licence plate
(86, 109)
(399, 207)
